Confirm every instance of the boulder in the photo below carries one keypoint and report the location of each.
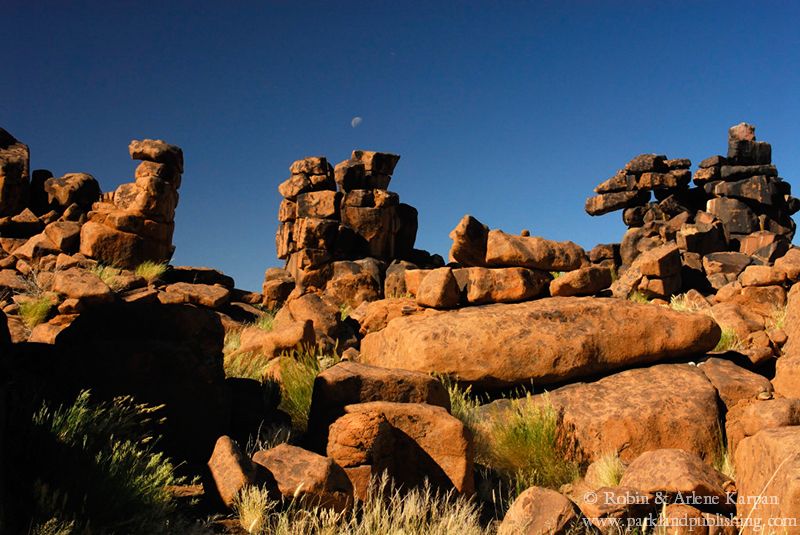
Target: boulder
(761, 276)
(230, 470)
(610, 202)
(507, 250)
(504, 285)
(156, 150)
(674, 471)
(65, 235)
(584, 281)
(349, 383)
(207, 295)
(789, 264)
(469, 242)
(281, 339)
(539, 511)
(111, 247)
(538, 342)
(617, 415)
(278, 285)
(747, 418)
(734, 383)
(787, 367)
(301, 475)
(351, 283)
(73, 188)
(428, 443)
(85, 286)
(768, 478)
(375, 315)
(438, 289)
(319, 204)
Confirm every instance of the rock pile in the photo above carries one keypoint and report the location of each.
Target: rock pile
(137, 222)
(737, 213)
(339, 227)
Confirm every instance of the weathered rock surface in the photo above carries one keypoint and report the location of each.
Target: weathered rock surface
(583, 281)
(539, 342)
(504, 285)
(747, 418)
(349, 383)
(733, 382)
(617, 414)
(768, 477)
(438, 289)
(507, 250)
(469, 242)
(312, 479)
(674, 471)
(539, 511)
(428, 443)
(231, 470)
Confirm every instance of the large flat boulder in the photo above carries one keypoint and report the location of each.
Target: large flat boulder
(664, 406)
(539, 342)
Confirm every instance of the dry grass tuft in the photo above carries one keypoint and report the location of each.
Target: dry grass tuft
(609, 470)
(728, 341)
(151, 271)
(385, 511)
(35, 310)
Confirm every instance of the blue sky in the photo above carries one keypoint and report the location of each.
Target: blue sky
(510, 111)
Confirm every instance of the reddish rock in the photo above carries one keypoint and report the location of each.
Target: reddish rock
(675, 471)
(35, 248)
(789, 264)
(539, 511)
(584, 281)
(82, 285)
(768, 477)
(231, 470)
(469, 242)
(156, 150)
(305, 476)
(610, 202)
(429, 443)
(199, 294)
(734, 383)
(65, 235)
(111, 247)
(617, 415)
(747, 418)
(73, 188)
(538, 342)
(349, 383)
(532, 252)
(374, 316)
(761, 276)
(14, 174)
(504, 285)
(438, 289)
(319, 204)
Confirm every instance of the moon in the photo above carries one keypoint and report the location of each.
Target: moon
(356, 121)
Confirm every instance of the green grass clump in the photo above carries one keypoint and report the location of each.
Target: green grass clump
(420, 511)
(266, 321)
(728, 341)
(638, 297)
(35, 310)
(344, 311)
(298, 372)
(150, 271)
(462, 404)
(97, 468)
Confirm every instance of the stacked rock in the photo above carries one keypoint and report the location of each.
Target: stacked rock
(361, 219)
(737, 212)
(14, 171)
(136, 223)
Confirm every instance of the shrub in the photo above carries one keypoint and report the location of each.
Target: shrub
(728, 341)
(150, 271)
(386, 510)
(34, 310)
(98, 468)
